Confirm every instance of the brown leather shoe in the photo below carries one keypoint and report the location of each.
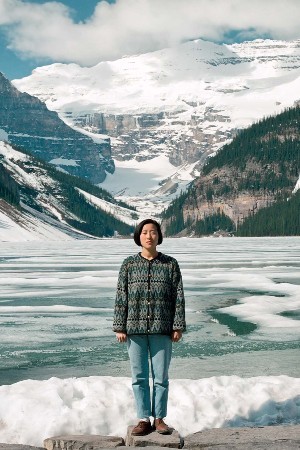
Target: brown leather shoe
(142, 428)
(161, 427)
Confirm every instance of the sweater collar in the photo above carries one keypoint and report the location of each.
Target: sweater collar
(149, 260)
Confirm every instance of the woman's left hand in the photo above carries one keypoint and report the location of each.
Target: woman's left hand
(176, 335)
(121, 337)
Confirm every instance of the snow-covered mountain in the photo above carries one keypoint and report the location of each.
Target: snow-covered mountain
(168, 110)
(38, 202)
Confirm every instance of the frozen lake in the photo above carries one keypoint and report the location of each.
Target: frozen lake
(62, 371)
(242, 305)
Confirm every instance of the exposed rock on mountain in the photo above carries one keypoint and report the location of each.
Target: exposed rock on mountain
(28, 123)
(145, 136)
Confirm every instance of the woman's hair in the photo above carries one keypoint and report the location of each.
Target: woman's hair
(138, 231)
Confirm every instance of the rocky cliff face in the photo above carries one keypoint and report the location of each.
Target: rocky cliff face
(204, 200)
(218, 192)
(145, 136)
(27, 123)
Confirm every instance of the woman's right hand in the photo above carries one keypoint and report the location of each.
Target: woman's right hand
(121, 337)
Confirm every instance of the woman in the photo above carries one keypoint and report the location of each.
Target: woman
(149, 314)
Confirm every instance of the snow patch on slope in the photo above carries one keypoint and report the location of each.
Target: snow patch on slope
(3, 135)
(64, 162)
(148, 185)
(297, 187)
(125, 215)
(17, 226)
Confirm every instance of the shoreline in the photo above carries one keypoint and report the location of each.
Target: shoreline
(277, 437)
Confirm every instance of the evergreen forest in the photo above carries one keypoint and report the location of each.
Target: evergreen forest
(9, 189)
(280, 219)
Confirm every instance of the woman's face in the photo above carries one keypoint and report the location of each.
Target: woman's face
(149, 236)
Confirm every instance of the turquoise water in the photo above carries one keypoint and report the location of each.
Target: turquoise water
(56, 306)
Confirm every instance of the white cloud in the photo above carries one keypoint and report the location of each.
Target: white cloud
(137, 26)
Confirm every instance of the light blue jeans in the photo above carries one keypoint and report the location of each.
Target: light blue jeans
(159, 349)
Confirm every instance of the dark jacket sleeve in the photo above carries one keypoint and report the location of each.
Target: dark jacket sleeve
(121, 303)
(179, 316)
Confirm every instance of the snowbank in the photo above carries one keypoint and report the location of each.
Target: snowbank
(33, 410)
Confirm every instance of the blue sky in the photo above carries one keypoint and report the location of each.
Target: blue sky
(85, 32)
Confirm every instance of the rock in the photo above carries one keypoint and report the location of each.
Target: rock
(154, 439)
(82, 442)
(262, 438)
(141, 135)
(28, 124)
(18, 447)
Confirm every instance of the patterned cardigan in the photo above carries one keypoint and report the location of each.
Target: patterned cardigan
(150, 298)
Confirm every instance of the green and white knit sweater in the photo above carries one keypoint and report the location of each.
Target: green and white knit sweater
(150, 298)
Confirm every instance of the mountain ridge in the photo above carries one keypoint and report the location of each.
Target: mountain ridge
(183, 102)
